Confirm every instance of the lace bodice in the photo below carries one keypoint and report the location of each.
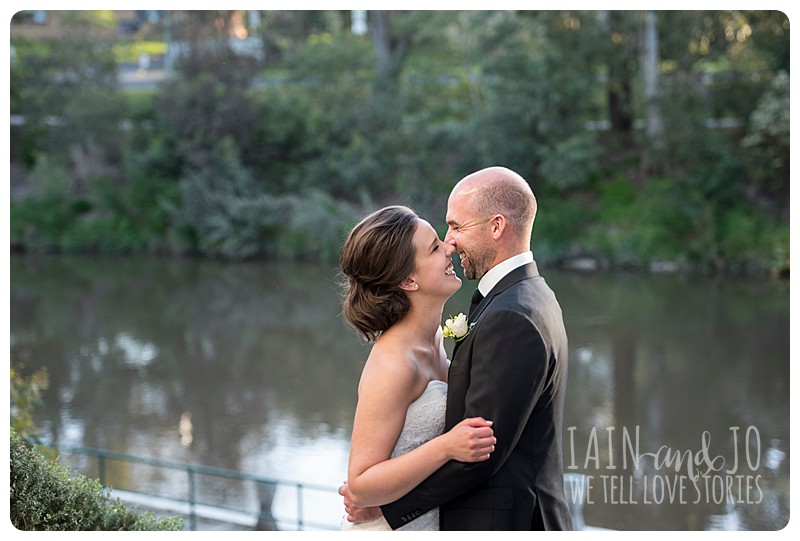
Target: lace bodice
(424, 421)
(424, 418)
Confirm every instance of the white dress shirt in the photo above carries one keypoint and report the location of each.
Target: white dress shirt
(496, 273)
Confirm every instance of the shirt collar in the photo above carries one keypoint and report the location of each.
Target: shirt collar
(496, 273)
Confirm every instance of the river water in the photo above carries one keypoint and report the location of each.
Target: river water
(677, 412)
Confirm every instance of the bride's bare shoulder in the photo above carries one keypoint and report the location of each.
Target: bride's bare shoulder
(390, 367)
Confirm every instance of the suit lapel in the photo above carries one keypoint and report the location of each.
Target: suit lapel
(529, 270)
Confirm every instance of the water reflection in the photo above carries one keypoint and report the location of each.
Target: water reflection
(674, 358)
(255, 353)
(247, 367)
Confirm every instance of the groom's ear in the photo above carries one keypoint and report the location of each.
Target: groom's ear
(498, 226)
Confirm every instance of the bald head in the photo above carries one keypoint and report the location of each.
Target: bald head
(491, 176)
(498, 190)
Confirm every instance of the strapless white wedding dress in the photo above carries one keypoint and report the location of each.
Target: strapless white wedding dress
(424, 421)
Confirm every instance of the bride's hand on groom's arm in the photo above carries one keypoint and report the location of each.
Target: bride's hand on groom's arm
(471, 440)
(357, 514)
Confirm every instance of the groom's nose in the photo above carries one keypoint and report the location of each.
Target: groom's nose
(449, 248)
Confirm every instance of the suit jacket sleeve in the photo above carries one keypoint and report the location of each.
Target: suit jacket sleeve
(507, 375)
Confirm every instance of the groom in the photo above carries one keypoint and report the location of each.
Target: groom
(511, 369)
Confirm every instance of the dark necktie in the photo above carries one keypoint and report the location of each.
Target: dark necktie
(476, 298)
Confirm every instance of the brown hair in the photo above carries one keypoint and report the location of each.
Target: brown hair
(377, 256)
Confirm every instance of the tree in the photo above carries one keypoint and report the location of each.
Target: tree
(398, 35)
(209, 97)
(767, 143)
(224, 210)
(650, 67)
(66, 90)
(621, 54)
(390, 46)
(536, 93)
(283, 32)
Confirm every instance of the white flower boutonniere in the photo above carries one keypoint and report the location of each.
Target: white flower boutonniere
(457, 327)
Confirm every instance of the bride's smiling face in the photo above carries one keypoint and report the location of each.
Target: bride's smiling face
(434, 272)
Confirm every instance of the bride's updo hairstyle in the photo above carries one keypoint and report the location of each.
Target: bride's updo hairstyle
(377, 256)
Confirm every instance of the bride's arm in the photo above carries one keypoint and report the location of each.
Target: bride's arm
(385, 392)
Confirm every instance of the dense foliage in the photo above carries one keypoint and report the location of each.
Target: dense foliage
(46, 496)
(679, 156)
(26, 396)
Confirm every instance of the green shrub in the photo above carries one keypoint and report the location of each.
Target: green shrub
(638, 226)
(225, 211)
(317, 226)
(46, 496)
(560, 227)
(26, 396)
(39, 221)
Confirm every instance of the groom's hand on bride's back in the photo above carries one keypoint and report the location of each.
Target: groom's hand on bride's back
(357, 514)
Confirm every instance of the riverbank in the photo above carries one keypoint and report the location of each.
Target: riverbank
(620, 230)
(579, 264)
(591, 264)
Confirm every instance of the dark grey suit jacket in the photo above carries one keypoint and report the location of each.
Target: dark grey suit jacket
(512, 370)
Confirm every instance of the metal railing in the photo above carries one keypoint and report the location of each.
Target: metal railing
(191, 507)
(574, 485)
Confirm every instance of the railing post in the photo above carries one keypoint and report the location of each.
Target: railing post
(192, 514)
(299, 506)
(266, 495)
(101, 468)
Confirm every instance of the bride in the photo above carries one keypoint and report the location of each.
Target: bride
(398, 277)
